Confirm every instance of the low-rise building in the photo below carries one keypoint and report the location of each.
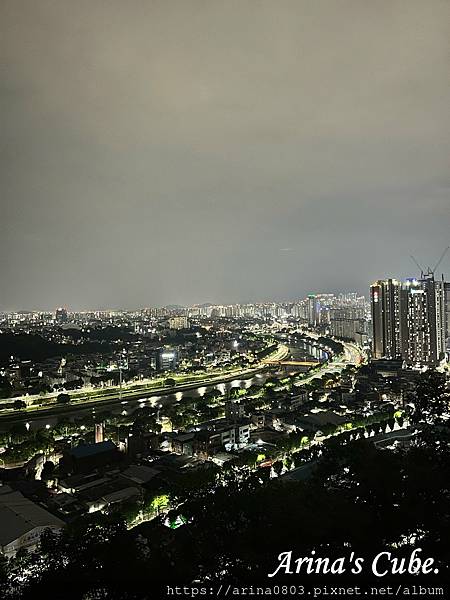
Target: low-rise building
(105, 498)
(22, 522)
(183, 443)
(209, 441)
(88, 457)
(258, 420)
(139, 474)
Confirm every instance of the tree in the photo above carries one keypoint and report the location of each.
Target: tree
(289, 462)
(248, 458)
(271, 382)
(170, 382)
(5, 387)
(176, 419)
(129, 510)
(235, 392)
(159, 503)
(47, 470)
(278, 467)
(18, 432)
(213, 395)
(391, 423)
(63, 398)
(430, 398)
(19, 404)
(145, 423)
(270, 392)
(3, 570)
(197, 480)
(254, 389)
(44, 439)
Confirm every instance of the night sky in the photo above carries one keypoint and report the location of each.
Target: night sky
(224, 151)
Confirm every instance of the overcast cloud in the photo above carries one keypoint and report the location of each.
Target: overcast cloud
(191, 151)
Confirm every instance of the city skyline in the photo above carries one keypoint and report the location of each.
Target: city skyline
(71, 309)
(366, 294)
(181, 153)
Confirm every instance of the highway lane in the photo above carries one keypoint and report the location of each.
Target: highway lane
(128, 402)
(147, 386)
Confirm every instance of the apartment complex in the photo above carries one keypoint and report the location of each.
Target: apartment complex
(410, 319)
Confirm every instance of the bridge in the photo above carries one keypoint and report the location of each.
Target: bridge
(291, 363)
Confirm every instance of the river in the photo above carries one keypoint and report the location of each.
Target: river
(301, 351)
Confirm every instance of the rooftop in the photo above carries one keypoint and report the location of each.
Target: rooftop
(19, 516)
(140, 474)
(93, 449)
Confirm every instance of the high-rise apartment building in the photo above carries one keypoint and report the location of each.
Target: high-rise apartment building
(313, 310)
(410, 320)
(385, 297)
(442, 290)
(447, 311)
(421, 347)
(351, 329)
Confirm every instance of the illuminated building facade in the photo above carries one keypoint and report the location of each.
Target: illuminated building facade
(385, 298)
(179, 322)
(167, 359)
(313, 310)
(410, 320)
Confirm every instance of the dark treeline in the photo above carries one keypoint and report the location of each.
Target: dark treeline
(34, 347)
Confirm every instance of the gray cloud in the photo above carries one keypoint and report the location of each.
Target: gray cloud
(158, 152)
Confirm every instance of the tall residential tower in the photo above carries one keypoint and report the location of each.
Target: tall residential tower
(410, 320)
(385, 298)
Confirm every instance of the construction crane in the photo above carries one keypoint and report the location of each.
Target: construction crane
(418, 266)
(440, 260)
(430, 271)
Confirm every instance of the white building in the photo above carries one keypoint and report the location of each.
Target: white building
(22, 522)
